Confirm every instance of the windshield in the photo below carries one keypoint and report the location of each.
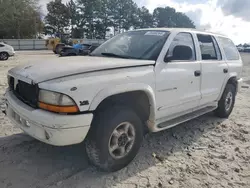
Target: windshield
(144, 44)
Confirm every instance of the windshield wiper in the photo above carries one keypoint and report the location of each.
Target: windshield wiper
(116, 55)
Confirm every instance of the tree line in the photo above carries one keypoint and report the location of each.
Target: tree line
(83, 18)
(20, 19)
(92, 19)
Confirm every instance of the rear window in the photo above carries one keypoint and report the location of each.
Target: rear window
(229, 48)
(209, 48)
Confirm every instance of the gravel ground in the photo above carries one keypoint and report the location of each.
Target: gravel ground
(205, 152)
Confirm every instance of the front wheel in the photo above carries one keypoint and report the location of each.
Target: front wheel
(4, 56)
(114, 138)
(226, 103)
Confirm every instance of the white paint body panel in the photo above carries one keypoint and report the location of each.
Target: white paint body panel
(212, 80)
(67, 66)
(177, 89)
(97, 86)
(171, 88)
(62, 129)
(7, 48)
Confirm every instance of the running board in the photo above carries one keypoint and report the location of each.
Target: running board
(184, 118)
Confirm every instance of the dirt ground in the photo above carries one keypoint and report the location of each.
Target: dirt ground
(206, 152)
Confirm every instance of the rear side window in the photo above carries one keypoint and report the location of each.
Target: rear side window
(229, 48)
(1, 45)
(209, 47)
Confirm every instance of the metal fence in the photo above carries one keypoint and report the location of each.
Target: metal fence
(40, 44)
(26, 44)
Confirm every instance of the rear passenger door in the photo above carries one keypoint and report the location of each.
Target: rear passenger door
(214, 69)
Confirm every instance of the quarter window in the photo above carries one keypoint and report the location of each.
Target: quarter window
(208, 48)
(182, 48)
(229, 48)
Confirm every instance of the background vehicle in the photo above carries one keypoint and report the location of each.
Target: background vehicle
(78, 49)
(240, 48)
(246, 49)
(138, 81)
(56, 44)
(6, 51)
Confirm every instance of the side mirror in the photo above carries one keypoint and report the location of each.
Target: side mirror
(168, 58)
(180, 53)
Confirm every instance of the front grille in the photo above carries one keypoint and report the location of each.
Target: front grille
(25, 92)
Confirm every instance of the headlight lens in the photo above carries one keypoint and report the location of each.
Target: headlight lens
(54, 98)
(56, 102)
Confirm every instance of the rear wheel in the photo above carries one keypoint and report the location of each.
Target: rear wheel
(59, 48)
(226, 103)
(114, 138)
(4, 56)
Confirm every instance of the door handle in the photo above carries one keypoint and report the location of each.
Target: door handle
(197, 73)
(225, 70)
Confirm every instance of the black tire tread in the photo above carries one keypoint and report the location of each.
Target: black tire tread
(7, 56)
(91, 145)
(220, 111)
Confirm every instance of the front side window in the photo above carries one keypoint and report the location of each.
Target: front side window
(144, 44)
(229, 48)
(208, 47)
(182, 48)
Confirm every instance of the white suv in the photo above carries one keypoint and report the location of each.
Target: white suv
(138, 81)
(6, 51)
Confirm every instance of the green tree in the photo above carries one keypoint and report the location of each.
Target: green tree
(143, 18)
(20, 19)
(95, 17)
(168, 17)
(88, 14)
(123, 14)
(92, 19)
(246, 45)
(104, 18)
(58, 15)
(74, 19)
(49, 30)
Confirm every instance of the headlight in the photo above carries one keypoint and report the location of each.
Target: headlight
(56, 102)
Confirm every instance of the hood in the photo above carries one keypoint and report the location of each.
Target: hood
(66, 66)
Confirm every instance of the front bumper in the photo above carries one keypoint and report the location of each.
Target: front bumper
(12, 53)
(239, 84)
(51, 128)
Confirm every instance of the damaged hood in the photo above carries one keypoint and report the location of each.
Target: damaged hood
(66, 66)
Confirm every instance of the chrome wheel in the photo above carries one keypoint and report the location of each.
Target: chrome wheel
(228, 101)
(121, 140)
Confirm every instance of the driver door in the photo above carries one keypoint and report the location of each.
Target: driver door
(178, 78)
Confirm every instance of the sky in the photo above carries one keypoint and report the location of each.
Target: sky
(228, 17)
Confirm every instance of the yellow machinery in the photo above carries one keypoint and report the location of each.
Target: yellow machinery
(52, 43)
(56, 44)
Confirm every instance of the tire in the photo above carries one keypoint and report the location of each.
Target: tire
(4, 56)
(59, 48)
(101, 135)
(226, 104)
